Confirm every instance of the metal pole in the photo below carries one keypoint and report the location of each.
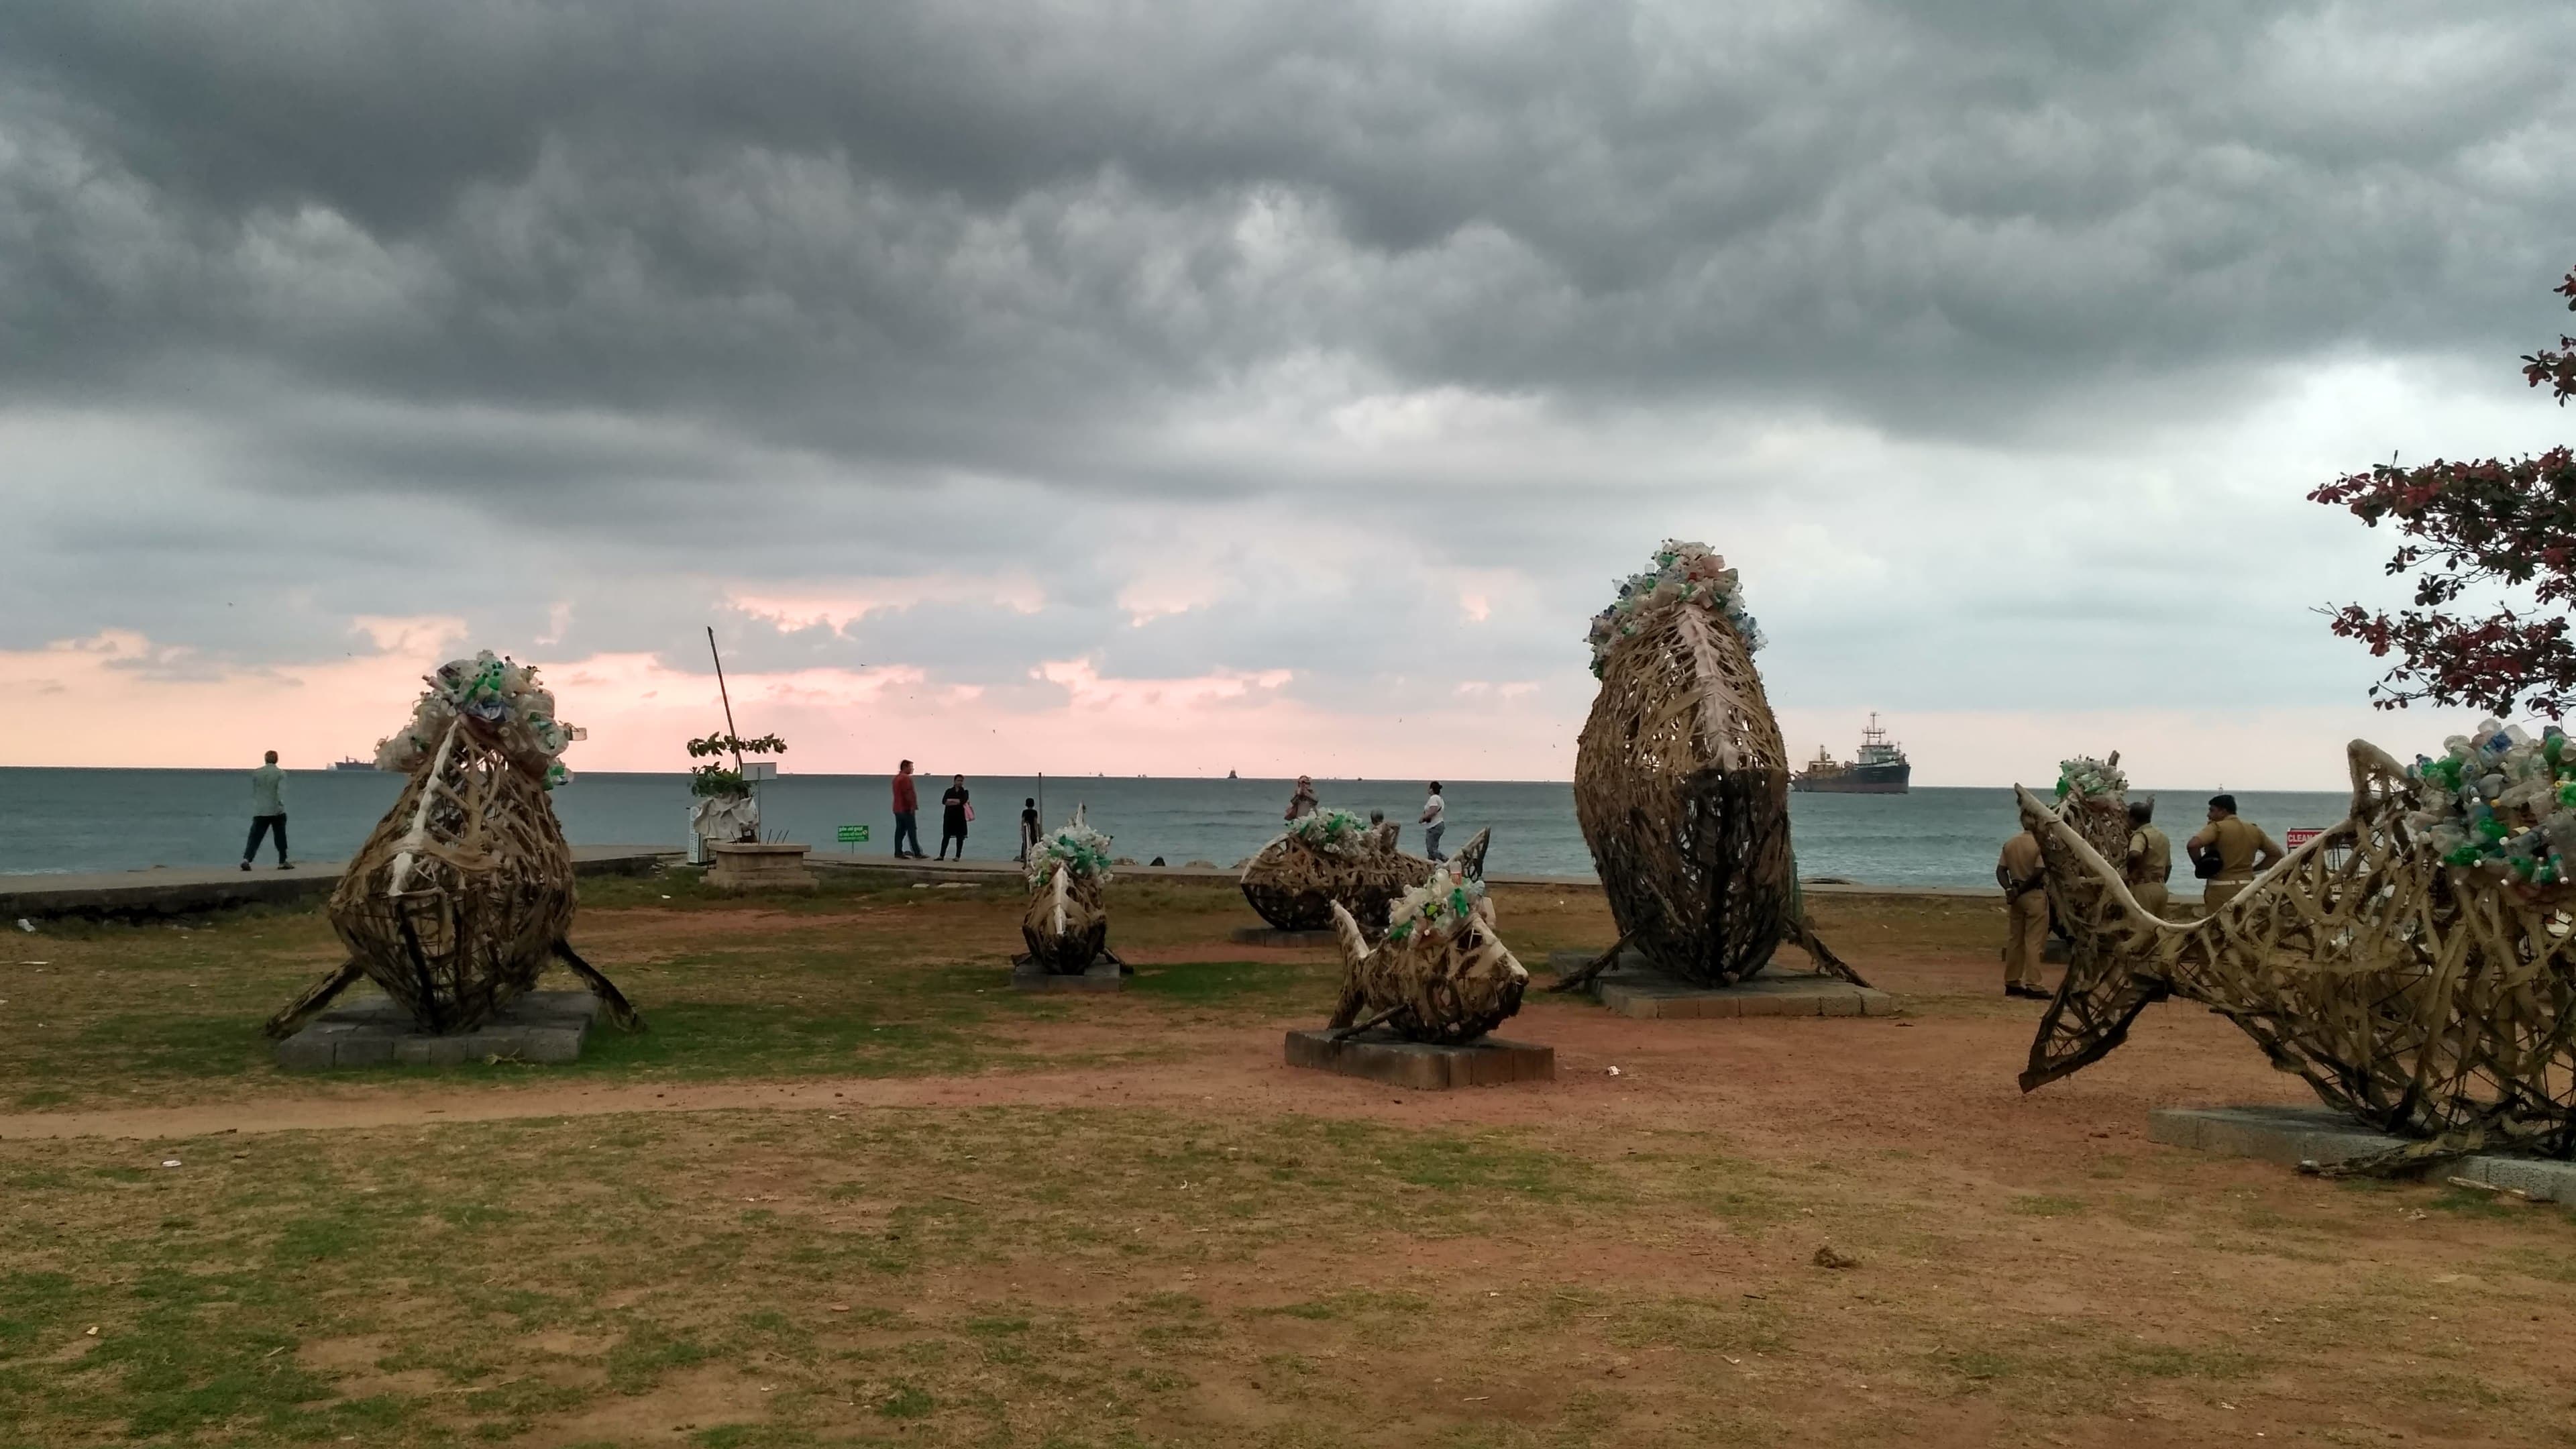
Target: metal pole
(726, 695)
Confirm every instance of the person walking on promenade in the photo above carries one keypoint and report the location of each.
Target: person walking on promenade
(954, 812)
(2025, 883)
(1302, 803)
(1435, 819)
(907, 813)
(267, 810)
(1029, 828)
(2150, 861)
(2241, 851)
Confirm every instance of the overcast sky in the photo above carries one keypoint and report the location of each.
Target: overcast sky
(1205, 386)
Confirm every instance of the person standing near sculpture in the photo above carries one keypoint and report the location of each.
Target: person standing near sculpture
(1302, 803)
(2228, 853)
(1030, 829)
(954, 813)
(2150, 862)
(907, 813)
(267, 810)
(1435, 819)
(2025, 881)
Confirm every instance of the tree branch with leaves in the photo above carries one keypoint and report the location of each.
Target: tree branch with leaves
(2474, 530)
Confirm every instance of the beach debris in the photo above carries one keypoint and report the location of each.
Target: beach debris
(1614, 1071)
(1439, 975)
(26, 925)
(2412, 963)
(1681, 782)
(1828, 1257)
(2501, 802)
(1684, 573)
(500, 694)
(170, 1162)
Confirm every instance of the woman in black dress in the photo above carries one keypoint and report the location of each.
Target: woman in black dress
(954, 812)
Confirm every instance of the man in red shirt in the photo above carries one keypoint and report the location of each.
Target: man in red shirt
(907, 809)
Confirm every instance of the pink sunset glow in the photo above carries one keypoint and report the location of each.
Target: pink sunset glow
(115, 699)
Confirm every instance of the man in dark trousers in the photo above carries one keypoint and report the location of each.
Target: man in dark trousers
(267, 810)
(907, 814)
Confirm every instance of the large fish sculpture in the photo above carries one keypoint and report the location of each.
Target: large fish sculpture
(463, 893)
(2414, 965)
(1681, 783)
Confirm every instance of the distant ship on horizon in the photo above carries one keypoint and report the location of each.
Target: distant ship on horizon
(1879, 769)
(353, 764)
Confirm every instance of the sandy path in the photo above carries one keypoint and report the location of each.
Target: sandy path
(1838, 1083)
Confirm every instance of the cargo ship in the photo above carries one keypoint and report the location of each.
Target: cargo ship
(1879, 769)
(353, 764)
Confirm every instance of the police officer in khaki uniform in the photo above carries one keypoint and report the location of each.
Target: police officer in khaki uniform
(2243, 852)
(2150, 862)
(2025, 884)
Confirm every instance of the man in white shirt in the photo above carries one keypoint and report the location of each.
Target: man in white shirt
(1435, 818)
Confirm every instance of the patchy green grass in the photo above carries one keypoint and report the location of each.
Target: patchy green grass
(509, 1274)
(866, 977)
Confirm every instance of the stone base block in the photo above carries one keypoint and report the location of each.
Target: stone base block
(1102, 976)
(2292, 1135)
(1382, 1056)
(742, 867)
(1634, 989)
(542, 1026)
(1273, 936)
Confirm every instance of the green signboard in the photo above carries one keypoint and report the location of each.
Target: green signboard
(854, 835)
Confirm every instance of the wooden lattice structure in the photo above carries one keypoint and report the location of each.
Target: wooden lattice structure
(1066, 925)
(2426, 1000)
(461, 895)
(1429, 986)
(1681, 785)
(2101, 818)
(1294, 885)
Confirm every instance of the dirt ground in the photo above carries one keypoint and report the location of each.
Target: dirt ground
(1131, 1224)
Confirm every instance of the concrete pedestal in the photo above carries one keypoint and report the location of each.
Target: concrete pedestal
(741, 867)
(1273, 936)
(542, 1026)
(1102, 976)
(1380, 1055)
(2292, 1135)
(1634, 989)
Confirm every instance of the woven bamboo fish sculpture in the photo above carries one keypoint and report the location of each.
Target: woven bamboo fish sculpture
(1440, 974)
(1066, 924)
(1681, 783)
(464, 891)
(1335, 856)
(2427, 999)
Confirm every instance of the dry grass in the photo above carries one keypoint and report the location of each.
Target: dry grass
(1287, 1261)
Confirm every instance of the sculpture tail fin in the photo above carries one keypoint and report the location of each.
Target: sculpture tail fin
(2111, 958)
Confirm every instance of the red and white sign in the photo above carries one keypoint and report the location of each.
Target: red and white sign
(2300, 835)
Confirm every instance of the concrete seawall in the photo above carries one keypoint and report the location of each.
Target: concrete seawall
(145, 893)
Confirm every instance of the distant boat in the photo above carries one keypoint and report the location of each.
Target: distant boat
(353, 764)
(1229, 774)
(1880, 769)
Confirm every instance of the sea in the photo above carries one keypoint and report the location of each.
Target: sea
(55, 821)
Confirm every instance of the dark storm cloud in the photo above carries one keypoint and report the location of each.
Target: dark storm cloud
(482, 309)
(921, 233)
